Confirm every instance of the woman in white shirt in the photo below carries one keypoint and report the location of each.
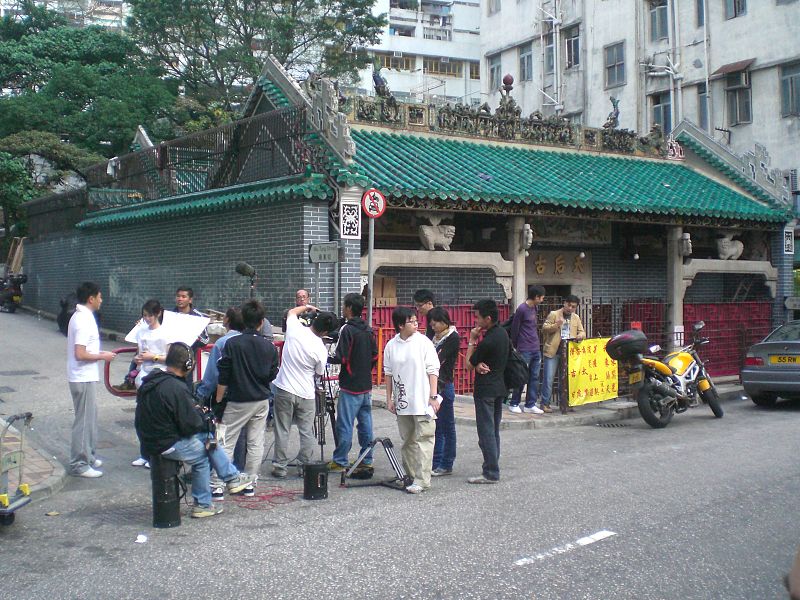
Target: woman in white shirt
(152, 345)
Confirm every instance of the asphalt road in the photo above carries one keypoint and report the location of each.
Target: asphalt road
(701, 509)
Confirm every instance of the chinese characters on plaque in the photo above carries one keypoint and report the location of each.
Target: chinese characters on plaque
(560, 264)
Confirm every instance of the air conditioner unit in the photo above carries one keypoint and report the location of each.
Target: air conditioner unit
(737, 80)
(791, 180)
(397, 54)
(444, 59)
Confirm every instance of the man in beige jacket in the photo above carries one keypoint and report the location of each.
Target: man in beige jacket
(561, 324)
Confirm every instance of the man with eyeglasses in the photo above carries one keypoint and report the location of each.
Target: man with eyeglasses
(424, 301)
(411, 366)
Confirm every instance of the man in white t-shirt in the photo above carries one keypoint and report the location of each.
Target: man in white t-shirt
(304, 356)
(411, 366)
(83, 354)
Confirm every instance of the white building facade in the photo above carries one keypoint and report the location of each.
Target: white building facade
(731, 67)
(429, 51)
(82, 13)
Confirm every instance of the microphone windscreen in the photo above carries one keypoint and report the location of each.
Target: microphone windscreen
(243, 268)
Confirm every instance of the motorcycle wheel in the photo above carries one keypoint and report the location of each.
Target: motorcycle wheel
(711, 397)
(654, 413)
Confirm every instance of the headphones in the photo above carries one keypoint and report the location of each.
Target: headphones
(188, 364)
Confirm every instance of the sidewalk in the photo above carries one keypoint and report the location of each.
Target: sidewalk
(46, 476)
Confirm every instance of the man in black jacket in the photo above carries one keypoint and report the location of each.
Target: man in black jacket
(357, 352)
(248, 364)
(170, 424)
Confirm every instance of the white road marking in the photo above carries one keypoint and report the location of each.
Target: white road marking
(584, 541)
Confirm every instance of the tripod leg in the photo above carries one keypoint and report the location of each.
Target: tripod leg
(397, 465)
(359, 460)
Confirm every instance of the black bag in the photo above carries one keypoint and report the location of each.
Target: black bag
(516, 373)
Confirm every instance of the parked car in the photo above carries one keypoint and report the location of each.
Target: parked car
(772, 366)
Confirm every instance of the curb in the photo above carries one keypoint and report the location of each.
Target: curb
(52, 484)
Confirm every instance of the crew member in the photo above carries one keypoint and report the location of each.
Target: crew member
(169, 423)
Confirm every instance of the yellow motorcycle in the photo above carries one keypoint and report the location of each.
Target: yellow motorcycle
(665, 387)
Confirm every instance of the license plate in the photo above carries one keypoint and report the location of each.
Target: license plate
(784, 360)
(635, 377)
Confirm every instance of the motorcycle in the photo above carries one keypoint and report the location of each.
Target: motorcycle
(665, 387)
(11, 292)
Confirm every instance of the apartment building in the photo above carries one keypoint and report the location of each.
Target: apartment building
(731, 67)
(429, 51)
(82, 13)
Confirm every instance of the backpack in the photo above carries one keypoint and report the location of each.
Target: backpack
(517, 372)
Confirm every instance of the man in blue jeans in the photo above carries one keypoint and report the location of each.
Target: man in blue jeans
(357, 352)
(525, 338)
(169, 423)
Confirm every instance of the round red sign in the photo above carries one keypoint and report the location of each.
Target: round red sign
(373, 203)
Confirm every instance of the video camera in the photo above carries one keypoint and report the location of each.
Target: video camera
(308, 317)
(210, 424)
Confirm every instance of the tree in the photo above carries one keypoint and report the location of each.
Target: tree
(214, 46)
(15, 188)
(91, 86)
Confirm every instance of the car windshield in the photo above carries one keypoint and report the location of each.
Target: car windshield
(785, 333)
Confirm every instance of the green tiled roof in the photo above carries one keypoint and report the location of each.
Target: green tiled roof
(274, 93)
(208, 201)
(432, 167)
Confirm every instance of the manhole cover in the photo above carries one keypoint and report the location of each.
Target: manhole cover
(4, 389)
(613, 425)
(123, 515)
(18, 373)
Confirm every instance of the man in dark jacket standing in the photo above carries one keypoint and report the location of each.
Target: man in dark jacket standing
(248, 364)
(170, 424)
(357, 352)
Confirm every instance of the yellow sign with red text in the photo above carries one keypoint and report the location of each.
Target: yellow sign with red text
(591, 373)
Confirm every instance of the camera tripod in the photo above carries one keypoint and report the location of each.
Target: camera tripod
(401, 478)
(326, 392)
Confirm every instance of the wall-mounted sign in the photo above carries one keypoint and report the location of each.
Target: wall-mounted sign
(788, 240)
(349, 220)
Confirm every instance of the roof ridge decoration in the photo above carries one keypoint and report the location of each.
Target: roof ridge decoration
(317, 94)
(508, 124)
(751, 170)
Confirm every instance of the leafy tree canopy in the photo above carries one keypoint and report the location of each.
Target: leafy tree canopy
(214, 46)
(15, 188)
(90, 86)
(33, 19)
(63, 156)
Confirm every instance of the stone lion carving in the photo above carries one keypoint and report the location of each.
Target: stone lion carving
(437, 235)
(727, 247)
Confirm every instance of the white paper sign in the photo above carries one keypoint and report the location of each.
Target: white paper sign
(178, 327)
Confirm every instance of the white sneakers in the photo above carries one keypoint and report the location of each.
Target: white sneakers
(533, 409)
(140, 462)
(97, 463)
(514, 409)
(90, 473)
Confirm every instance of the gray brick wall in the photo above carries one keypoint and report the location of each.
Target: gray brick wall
(134, 263)
(615, 277)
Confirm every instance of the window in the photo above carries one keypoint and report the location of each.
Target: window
(474, 70)
(662, 111)
(702, 106)
(549, 58)
(573, 47)
(402, 30)
(437, 33)
(735, 8)
(494, 73)
(790, 90)
(493, 7)
(399, 63)
(659, 24)
(700, 12)
(437, 67)
(615, 64)
(526, 62)
(737, 92)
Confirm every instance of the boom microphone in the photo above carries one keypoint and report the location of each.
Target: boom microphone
(243, 268)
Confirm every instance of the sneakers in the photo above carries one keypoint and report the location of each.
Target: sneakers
(279, 473)
(239, 483)
(533, 409)
(440, 472)
(333, 466)
(363, 471)
(514, 408)
(546, 408)
(481, 479)
(218, 494)
(90, 473)
(199, 512)
(97, 463)
(249, 491)
(415, 488)
(140, 462)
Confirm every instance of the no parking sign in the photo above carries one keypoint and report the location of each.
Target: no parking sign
(373, 203)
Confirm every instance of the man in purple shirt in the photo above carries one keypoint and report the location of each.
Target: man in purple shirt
(525, 338)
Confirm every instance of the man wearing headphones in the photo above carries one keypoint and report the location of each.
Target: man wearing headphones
(169, 423)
